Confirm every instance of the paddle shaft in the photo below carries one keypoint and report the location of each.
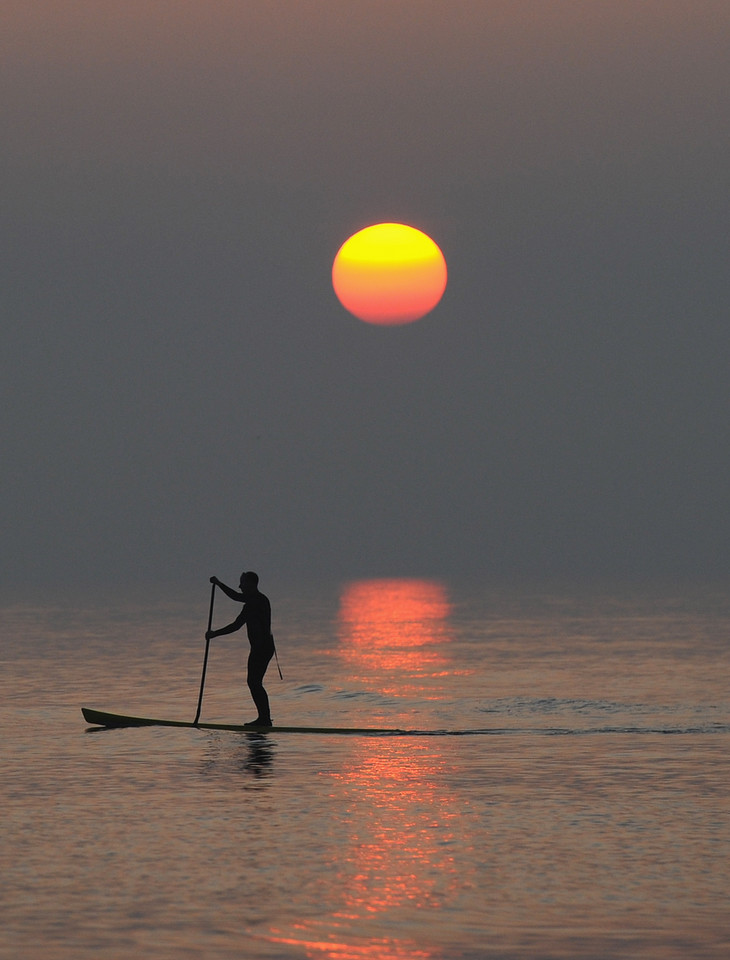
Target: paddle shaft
(207, 647)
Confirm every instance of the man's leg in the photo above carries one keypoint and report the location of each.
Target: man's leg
(257, 664)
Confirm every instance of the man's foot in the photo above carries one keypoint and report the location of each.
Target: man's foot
(258, 722)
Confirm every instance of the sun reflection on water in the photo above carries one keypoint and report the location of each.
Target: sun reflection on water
(403, 820)
(398, 865)
(395, 630)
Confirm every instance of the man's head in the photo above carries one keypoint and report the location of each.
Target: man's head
(249, 581)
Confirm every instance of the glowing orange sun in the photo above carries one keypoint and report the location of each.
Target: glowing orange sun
(389, 274)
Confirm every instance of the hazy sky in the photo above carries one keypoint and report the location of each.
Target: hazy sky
(182, 392)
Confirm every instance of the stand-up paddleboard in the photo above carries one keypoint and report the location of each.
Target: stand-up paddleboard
(99, 718)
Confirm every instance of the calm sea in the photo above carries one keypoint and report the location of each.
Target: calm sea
(568, 795)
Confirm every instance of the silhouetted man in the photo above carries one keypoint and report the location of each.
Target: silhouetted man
(256, 614)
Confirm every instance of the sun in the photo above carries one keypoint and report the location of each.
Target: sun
(389, 274)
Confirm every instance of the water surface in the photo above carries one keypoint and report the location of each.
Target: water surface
(569, 800)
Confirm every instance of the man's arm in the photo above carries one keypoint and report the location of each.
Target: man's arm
(231, 628)
(229, 591)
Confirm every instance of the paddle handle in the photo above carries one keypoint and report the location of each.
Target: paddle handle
(205, 658)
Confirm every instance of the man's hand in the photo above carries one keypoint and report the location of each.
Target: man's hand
(216, 581)
(209, 634)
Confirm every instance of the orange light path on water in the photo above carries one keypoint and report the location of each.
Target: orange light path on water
(403, 819)
(394, 630)
(404, 822)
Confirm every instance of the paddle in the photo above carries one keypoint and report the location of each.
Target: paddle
(207, 646)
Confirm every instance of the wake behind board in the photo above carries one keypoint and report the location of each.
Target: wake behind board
(99, 718)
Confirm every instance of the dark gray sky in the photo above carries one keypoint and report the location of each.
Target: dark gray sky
(182, 394)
